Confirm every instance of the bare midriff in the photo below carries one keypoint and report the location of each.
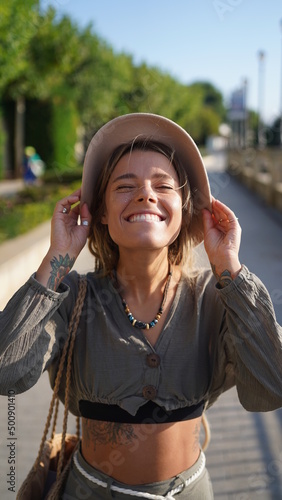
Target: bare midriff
(141, 453)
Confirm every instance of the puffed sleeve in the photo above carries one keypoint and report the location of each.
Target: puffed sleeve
(33, 328)
(249, 348)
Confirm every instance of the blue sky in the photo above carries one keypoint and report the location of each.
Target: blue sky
(211, 40)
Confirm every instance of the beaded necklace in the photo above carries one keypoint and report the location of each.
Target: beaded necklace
(140, 324)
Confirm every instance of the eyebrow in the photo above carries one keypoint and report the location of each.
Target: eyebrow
(134, 176)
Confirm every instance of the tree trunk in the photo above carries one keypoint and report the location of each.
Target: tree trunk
(19, 135)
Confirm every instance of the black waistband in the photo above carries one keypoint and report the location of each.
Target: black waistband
(147, 414)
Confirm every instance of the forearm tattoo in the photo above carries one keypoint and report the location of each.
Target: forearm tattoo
(60, 268)
(112, 433)
(224, 278)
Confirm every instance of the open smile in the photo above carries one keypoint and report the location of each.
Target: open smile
(145, 218)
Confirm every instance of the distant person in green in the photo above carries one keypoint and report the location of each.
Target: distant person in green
(33, 166)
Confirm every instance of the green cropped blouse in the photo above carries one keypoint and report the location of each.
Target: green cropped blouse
(212, 340)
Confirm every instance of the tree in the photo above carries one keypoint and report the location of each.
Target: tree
(210, 97)
(16, 30)
(273, 133)
(77, 77)
(18, 24)
(40, 56)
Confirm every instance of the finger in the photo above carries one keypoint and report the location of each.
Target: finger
(222, 214)
(85, 215)
(208, 220)
(64, 205)
(224, 222)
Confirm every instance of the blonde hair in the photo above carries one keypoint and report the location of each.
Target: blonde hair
(100, 243)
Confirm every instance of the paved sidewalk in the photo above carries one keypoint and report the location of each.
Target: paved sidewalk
(245, 455)
(10, 187)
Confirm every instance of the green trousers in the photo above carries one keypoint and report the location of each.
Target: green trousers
(86, 483)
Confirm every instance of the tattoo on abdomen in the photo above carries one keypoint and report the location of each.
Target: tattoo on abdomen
(60, 268)
(108, 432)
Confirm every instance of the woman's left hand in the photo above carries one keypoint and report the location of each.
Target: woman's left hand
(222, 236)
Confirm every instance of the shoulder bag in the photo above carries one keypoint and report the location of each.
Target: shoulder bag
(48, 475)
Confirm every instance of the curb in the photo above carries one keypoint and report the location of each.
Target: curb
(19, 258)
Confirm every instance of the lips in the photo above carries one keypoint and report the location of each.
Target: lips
(144, 218)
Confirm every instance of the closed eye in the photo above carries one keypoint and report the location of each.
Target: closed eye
(164, 187)
(128, 187)
(125, 187)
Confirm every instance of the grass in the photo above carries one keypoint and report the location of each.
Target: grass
(29, 208)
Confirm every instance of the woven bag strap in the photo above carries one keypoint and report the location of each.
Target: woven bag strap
(74, 321)
(73, 327)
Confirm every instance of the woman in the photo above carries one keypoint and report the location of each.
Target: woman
(158, 340)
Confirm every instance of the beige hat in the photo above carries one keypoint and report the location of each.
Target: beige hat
(126, 128)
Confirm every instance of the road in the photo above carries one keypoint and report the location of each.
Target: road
(245, 454)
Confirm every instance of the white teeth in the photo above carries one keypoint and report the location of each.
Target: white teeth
(144, 217)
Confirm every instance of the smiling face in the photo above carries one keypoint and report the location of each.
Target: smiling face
(143, 202)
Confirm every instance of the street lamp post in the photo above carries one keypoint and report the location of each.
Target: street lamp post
(281, 89)
(245, 113)
(261, 139)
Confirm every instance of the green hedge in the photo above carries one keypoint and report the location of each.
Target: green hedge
(26, 210)
(51, 127)
(65, 122)
(2, 145)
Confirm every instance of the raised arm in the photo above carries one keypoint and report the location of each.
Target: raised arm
(67, 240)
(28, 340)
(222, 237)
(251, 337)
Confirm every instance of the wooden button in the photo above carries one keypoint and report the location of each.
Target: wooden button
(153, 360)
(149, 392)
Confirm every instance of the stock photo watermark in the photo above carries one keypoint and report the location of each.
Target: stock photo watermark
(223, 7)
(260, 481)
(11, 442)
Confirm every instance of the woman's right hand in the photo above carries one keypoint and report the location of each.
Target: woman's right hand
(66, 235)
(67, 240)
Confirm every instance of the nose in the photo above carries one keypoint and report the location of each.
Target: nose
(146, 193)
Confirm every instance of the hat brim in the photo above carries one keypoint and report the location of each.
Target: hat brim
(126, 128)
